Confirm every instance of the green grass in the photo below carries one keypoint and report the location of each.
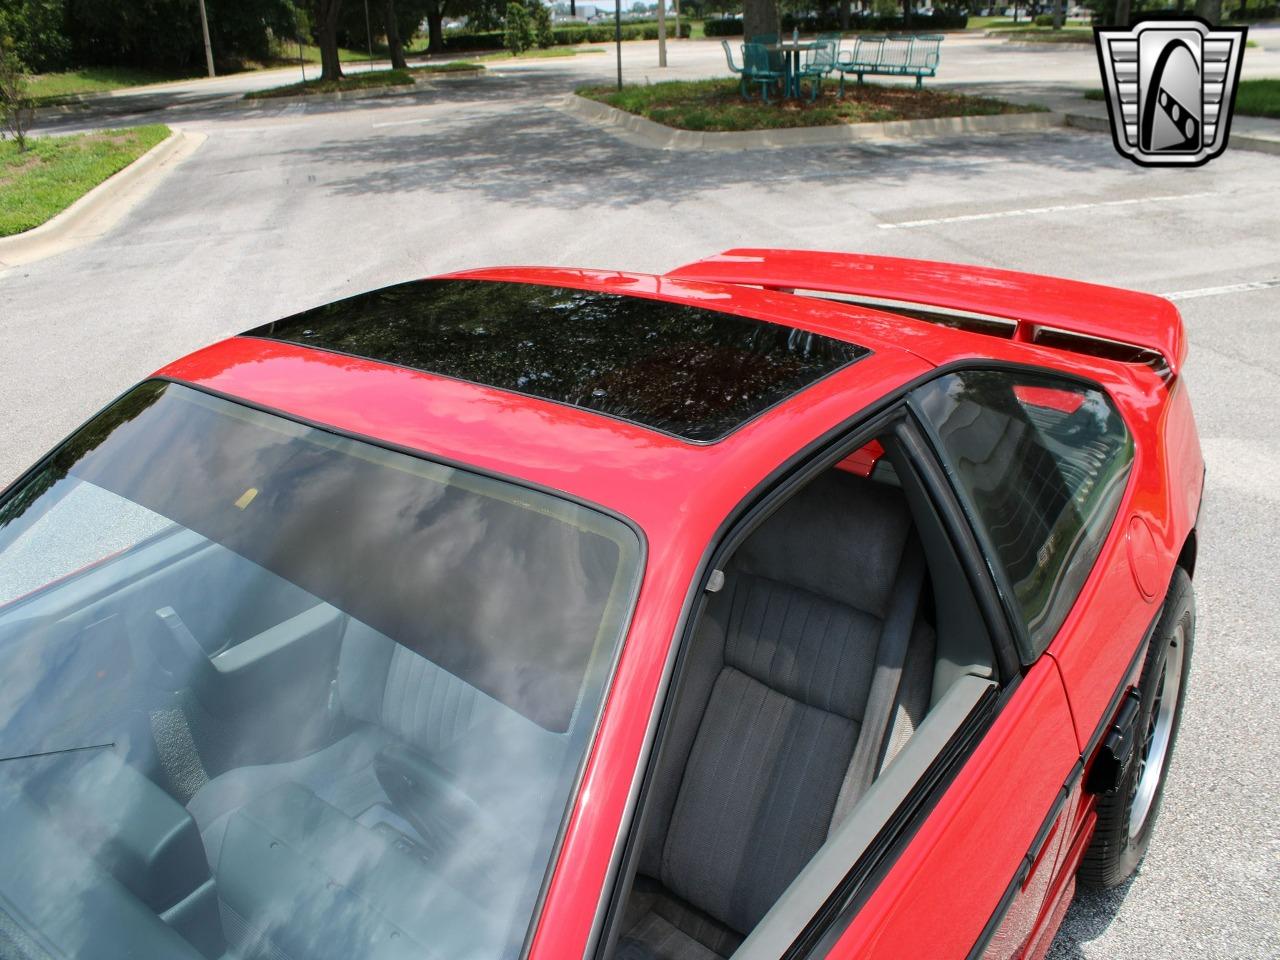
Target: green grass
(1006, 23)
(717, 105)
(538, 53)
(50, 87)
(54, 172)
(1094, 93)
(1258, 98)
(357, 81)
(453, 66)
(1049, 35)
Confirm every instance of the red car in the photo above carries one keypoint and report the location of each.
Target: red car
(787, 605)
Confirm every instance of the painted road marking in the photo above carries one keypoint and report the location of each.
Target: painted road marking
(400, 123)
(1035, 211)
(1218, 291)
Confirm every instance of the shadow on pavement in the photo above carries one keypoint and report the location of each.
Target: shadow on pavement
(1090, 916)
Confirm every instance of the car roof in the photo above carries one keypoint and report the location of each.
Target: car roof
(655, 479)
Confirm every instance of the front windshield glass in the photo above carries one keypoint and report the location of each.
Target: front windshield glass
(266, 691)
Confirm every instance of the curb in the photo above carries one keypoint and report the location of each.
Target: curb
(102, 207)
(1238, 141)
(646, 133)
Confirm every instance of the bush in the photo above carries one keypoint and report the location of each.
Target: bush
(518, 36)
(36, 31)
(1043, 20)
(540, 18)
(566, 35)
(732, 27)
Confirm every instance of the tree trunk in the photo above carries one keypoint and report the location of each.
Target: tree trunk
(1059, 13)
(328, 12)
(845, 6)
(435, 30)
(760, 16)
(1211, 10)
(906, 14)
(1123, 13)
(573, 8)
(393, 38)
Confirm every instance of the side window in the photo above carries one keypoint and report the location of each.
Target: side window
(1041, 463)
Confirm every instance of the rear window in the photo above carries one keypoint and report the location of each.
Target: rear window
(1042, 464)
(698, 374)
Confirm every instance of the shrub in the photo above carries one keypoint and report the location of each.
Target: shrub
(540, 20)
(15, 103)
(1043, 20)
(940, 20)
(518, 36)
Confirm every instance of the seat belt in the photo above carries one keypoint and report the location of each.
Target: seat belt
(891, 654)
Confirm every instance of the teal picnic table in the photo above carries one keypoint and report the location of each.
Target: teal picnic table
(791, 50)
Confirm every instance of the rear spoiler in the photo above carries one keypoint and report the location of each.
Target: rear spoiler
(1067, 314)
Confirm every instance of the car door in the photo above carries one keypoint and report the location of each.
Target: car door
(1039, 464)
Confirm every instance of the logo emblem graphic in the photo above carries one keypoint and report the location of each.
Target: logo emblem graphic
(1170, 86)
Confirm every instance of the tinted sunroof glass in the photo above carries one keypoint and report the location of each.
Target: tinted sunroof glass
(694, 373)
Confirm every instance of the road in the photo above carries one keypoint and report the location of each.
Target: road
(285, 207)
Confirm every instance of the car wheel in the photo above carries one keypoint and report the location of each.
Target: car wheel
(1126, 816)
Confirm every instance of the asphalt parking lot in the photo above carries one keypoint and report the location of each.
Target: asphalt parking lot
(287, 207)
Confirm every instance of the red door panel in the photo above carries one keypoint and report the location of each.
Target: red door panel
(948, 884)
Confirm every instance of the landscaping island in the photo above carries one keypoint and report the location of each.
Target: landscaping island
(372, 79)
(54, 172)
(717, 105)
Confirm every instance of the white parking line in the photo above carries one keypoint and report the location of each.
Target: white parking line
(1033, 211)
(1228, 288)
(399, 123)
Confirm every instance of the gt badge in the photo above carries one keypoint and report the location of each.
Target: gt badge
(1170, 85)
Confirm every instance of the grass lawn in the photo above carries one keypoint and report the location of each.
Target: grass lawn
(356, 81)
(51, 87)
(54, 172)
(537, 53)
(1049, 35)
(717, 105)
(453, 66)
(1258, 98)
(48, 87)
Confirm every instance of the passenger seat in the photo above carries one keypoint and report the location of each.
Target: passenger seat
(767, 750)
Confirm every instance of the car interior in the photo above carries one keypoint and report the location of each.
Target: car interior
(184, 776)
(841, 622)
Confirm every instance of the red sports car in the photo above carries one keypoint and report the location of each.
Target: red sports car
(787, 605)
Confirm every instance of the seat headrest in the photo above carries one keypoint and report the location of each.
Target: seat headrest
(841, 537)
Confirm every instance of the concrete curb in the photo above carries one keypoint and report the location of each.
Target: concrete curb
(1237, 141)
(646, 133)
(102, 207)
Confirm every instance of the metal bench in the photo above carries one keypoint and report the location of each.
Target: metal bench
(906, 56)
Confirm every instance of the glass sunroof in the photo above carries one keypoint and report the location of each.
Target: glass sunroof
(695, 373)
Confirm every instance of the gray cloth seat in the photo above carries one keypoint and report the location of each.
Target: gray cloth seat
(769, 714)
(388, 698)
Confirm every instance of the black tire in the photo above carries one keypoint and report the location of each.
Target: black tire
(1126, 820)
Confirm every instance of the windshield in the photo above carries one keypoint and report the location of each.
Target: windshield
(267, 691)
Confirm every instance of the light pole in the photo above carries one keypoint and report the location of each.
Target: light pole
(204, 28)
(368, 32)
(617, 36)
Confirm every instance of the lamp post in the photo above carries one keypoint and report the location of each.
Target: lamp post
(617, 36)
(204, 28)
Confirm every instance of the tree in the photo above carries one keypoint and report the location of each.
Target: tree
(518, 35)
(760, 16)
(325, 15)
(16, 107)
(1210, 10)
(394, 45)
(540, 22)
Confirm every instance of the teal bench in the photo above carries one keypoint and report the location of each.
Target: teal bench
(906, 56)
